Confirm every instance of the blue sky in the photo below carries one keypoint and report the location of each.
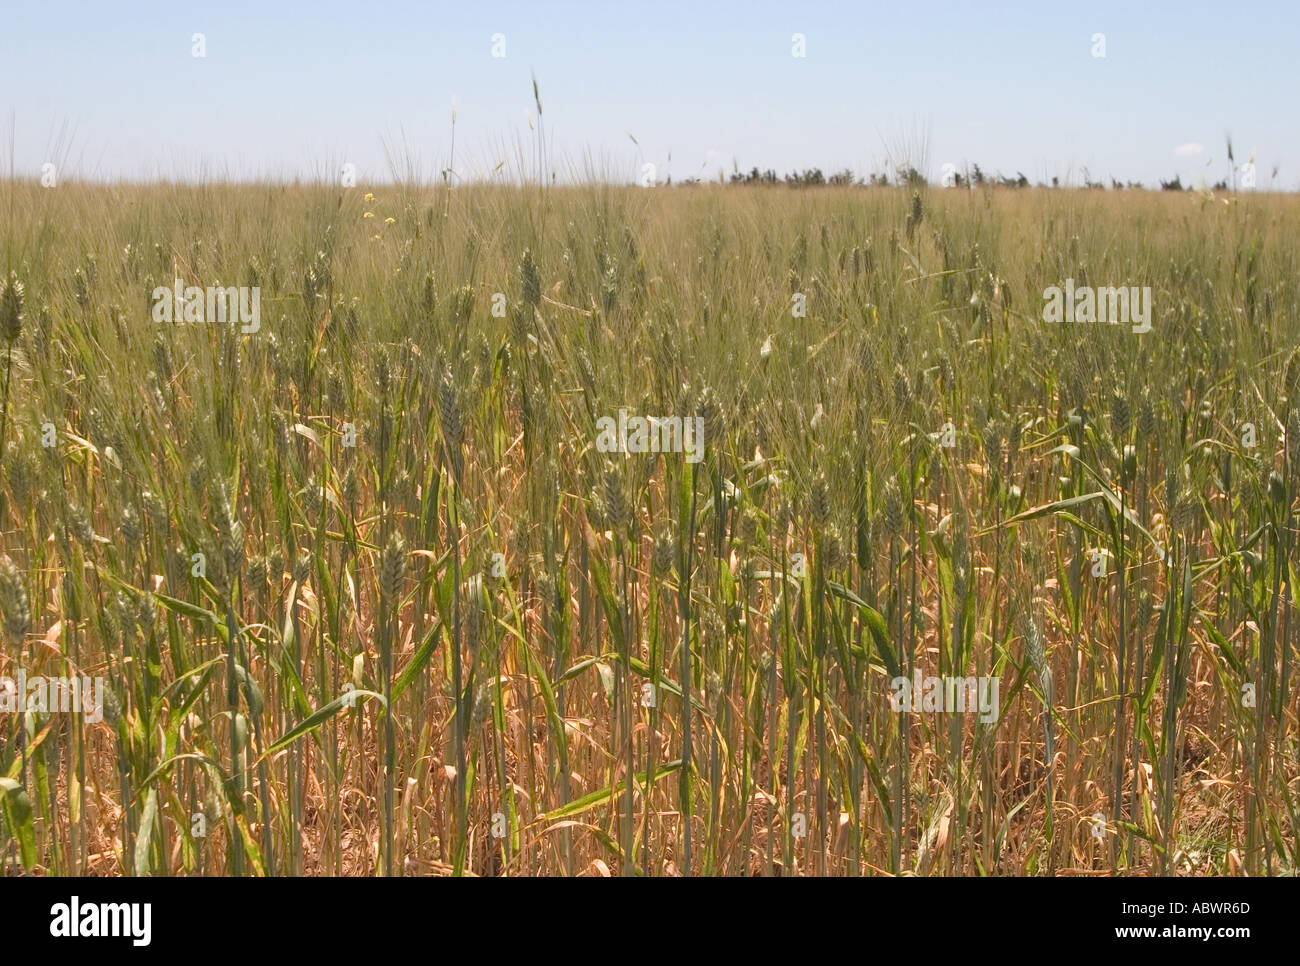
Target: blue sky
(295, 89)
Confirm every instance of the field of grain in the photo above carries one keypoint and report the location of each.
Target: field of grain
(366, 597)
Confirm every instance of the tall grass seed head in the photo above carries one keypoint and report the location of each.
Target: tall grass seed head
(710, 411)
(530, 285)
(217, 572)
(302, 566)
(546, 589)
(991, 439)
(275, 566)
(1276, 488)
(453, 424)
(130, 528)
(819, 500)
(146, 613)
(782, 516)
(1034, 653)
(392, 567)
(78, 524)
(258, 573)
(351, 488)
(586, 373)
(125, 612)
(11, 308)
(664, 553)
(1291, 379)
(832, 546)
(280, 432)
(902, 388)
(311, 499)
(429, 296)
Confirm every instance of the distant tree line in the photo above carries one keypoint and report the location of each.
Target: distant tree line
(907, 176)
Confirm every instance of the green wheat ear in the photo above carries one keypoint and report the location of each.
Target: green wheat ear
(1120, 416)
(1034, 653)
(617, 508)
(665, 551)
(1147, 425)
(392, 568)
(14, 604)
(79, 526)
(892, 514)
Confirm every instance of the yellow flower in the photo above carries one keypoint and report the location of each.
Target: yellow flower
(368, 214)
(374, 238)
(390, 221)
(369, 196)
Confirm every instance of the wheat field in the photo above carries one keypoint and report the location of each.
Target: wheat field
(367, 597)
